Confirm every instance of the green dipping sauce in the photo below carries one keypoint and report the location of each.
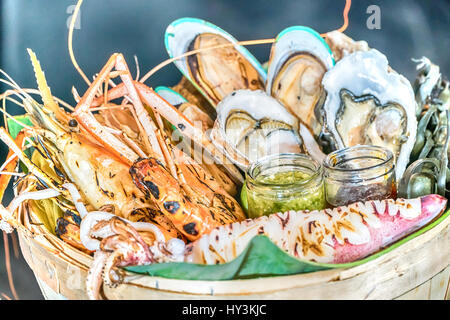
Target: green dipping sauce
(287, 177)
(284, 191)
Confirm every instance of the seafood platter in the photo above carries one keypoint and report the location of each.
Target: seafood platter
(320, 173)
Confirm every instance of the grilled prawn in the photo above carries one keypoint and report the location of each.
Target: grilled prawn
(209, 205)
(95, 152)
(192, 216)
(101, 177)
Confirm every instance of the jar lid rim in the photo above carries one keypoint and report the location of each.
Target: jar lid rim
(327, 160)
(279, 186)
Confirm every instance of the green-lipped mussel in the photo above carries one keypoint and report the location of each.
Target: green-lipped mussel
(216, 72)
(298, 61)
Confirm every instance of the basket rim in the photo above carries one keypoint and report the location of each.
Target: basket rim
(49, 242)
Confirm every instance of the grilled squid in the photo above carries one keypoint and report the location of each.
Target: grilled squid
(338, 235)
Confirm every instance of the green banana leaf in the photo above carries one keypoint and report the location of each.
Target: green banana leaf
(261, 258)
(15, 127)
(47, 210)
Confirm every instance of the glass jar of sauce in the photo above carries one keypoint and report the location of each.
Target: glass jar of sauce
(283, 182)
(359, 173)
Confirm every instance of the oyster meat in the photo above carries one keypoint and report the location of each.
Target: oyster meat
(251, 124)
(215, 72)
(298, 60)
(369, 103)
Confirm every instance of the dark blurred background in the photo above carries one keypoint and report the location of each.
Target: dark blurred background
(409, 29)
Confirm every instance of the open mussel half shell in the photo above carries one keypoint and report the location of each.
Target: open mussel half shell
(251, 124)
(369, 103)
(298, 60)
(216, 72)
(171, 96)
(196, 115)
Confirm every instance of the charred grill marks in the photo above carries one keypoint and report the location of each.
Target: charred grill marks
(152, 188)
(171, 206)
(190, 228)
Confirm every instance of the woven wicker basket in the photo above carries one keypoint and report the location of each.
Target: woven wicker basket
(418, 269)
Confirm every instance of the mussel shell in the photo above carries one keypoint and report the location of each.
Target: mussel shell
(186, 89)
(186, 34)
(171, 96)
(299, 58)
(298, 87)
(221, 71)
(191, 111)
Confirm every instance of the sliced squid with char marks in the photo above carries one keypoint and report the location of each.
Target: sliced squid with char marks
(339, 235)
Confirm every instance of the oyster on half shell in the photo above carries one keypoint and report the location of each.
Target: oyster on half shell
(251, 124)
(215, 72)
(369, 103)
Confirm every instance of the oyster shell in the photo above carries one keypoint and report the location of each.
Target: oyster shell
(251, 124)
(298, 60)
(368, 103)
(216, 72)
(342, 45)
